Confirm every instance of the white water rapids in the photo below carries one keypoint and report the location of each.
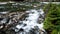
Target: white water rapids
(30, 25)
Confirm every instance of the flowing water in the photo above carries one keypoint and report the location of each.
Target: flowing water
(31, 23)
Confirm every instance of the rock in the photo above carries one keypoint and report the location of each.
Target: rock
(1, 19)
(17, 0)
(5, 12)
(6, 23)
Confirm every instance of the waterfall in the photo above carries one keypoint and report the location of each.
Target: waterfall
(30, 24)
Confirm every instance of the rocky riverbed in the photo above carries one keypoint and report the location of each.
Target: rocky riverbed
(8, 20)
(21, 18)
(27, 22)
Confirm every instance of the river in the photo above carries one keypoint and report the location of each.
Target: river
(31, 23)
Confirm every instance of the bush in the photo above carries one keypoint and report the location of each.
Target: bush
(52, 20)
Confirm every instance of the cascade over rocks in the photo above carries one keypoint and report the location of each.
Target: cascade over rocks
(26, 22)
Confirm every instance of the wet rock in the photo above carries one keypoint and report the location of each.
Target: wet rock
(5, 20)
(1, 26)
(22, 23)
(21, 29)
(40, 20)
(35, 30)
(23, 17)
(25, 24)
(5, 12)
(2, 32)
(10, 32)
(18, 0)
(1, 19)
(6, 23)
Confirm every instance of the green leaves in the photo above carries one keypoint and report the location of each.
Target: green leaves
(52, 20)
(54, 31)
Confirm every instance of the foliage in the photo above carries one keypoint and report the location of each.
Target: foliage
(52, 20)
